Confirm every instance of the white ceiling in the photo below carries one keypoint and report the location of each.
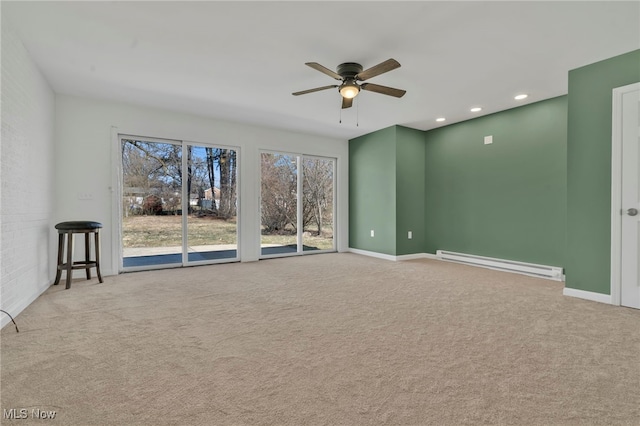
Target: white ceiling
(241, 61)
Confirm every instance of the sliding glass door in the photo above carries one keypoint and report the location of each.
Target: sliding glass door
(179, 203)
(317, 203)
(151, 202)
(212, 227)
(296, 204)
(279, 203)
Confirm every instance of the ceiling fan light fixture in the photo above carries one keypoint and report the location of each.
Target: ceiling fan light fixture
(349, 74)
(349, 90)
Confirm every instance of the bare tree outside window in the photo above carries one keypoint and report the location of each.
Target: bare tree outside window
(280, 198)
(165, 181)
(153, 205)
(318, 194)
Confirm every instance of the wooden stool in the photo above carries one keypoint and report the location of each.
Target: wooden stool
(77, 227)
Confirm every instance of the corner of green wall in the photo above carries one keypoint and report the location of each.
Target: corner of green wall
(372, 191)
(410, 186)
(540, 193)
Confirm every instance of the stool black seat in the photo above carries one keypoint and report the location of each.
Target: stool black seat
(68, 229)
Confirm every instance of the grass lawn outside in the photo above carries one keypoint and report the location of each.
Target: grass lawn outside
(166, 231)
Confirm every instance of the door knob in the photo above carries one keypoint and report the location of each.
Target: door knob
(632, 212)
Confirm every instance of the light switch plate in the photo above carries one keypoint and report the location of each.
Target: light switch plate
(85, 196)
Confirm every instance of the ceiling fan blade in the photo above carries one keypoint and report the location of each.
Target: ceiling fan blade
(398, 93)
(381, 68)
(325, 70)
(317, 89)
(346, 103)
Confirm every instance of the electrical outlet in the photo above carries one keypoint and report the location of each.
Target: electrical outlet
(409, 235)
(372, 233)
(488, 140)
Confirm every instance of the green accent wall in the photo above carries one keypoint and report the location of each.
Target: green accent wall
(410, 186)
(372, 192)
(506, 199)
(588, 263)
(386, 187)
(540, 193)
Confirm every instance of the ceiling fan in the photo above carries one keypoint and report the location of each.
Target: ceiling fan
(350, 74)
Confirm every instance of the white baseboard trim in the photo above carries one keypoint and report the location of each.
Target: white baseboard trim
(587, 295)
(417, 256)
(392, 257)
(373, 254)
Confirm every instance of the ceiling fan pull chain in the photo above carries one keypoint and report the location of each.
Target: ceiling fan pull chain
(357, 113)
(340, 116)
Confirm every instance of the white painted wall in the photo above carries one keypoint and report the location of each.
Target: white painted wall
(87, 154)
(56, 146)
(27, 195)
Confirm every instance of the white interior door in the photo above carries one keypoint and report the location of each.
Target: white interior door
(630, 198)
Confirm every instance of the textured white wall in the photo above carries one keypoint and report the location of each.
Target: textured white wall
(27, 191)
(87, 159)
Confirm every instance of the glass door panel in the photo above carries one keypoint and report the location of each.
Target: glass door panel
(279, 204)
(152, 203)
(297, 204)
(212, 230)
(317, 199)
(179, 203)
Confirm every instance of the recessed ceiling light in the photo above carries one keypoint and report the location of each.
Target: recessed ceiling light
(476, 109)
(440, 119)
(522, 96)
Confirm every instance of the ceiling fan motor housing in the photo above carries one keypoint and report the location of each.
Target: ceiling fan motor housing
(349, 70)
(349, 87)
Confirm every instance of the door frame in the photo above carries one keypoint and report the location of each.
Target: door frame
(616, 190)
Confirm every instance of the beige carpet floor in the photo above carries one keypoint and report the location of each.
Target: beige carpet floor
(331, 339)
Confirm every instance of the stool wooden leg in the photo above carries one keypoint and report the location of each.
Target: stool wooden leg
(60, 257)
(69, 259)
(86, 254)
(98, 255)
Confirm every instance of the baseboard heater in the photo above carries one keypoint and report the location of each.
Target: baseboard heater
(543, 271)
